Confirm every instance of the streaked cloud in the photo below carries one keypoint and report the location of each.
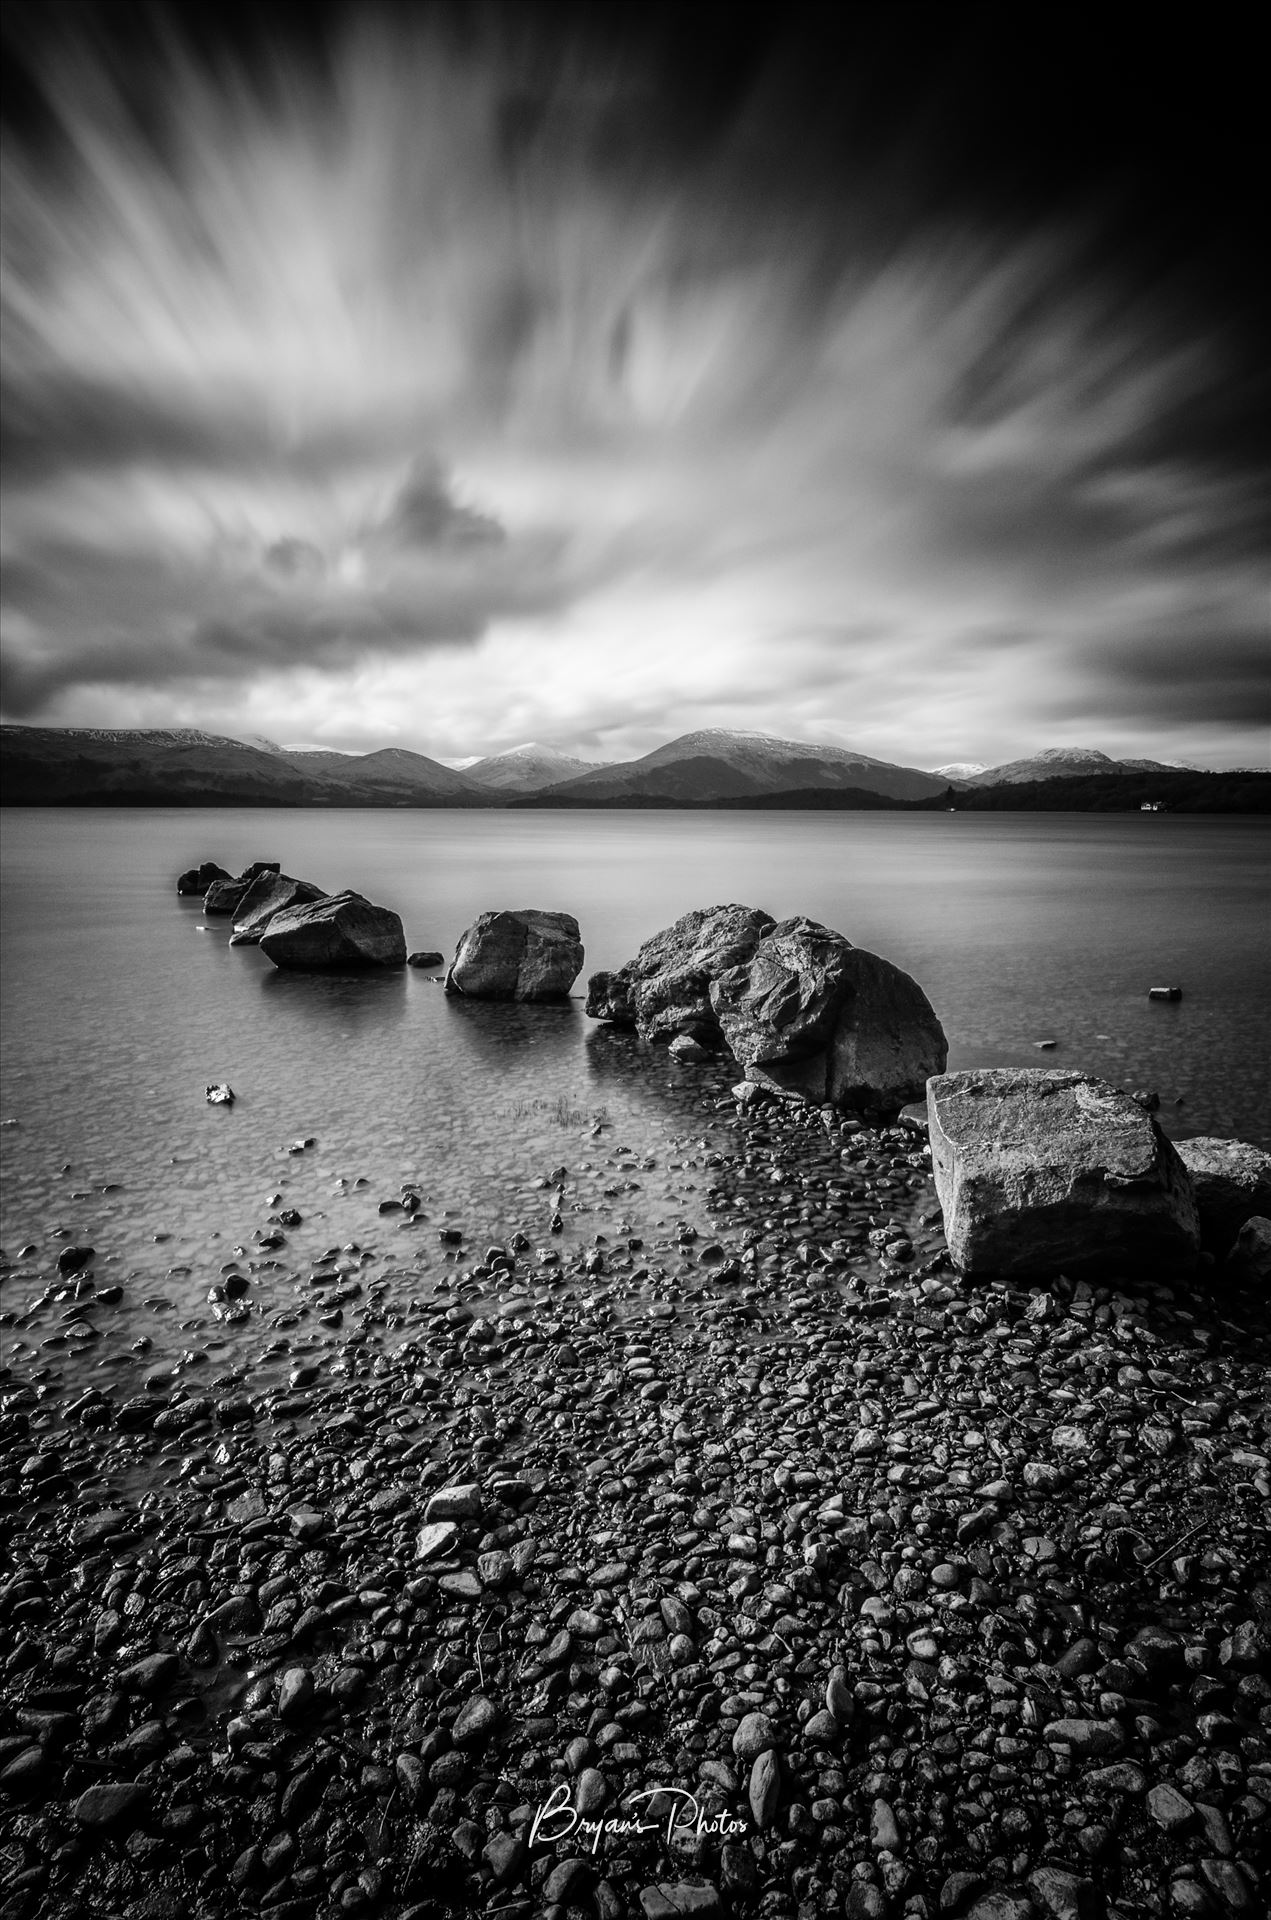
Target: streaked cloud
(462, 389)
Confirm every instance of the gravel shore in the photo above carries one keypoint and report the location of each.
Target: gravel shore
(776, 1573)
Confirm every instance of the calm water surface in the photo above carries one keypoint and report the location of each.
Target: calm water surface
(120, 1004)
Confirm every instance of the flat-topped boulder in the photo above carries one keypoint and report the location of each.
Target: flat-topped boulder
(268, 894)
(1232, 1183)
(524, 953)
(810, 1016)
(195, 881)
(332, 935)
(1040, 1171)
(666, 989)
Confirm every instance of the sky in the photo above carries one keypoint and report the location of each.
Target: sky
(453, 376)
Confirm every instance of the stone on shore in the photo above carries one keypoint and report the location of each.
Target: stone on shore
(1250, 1257)
(331, 935)
(269, 893)
(113, 1806)
(1231, 1181)
(811, 1016)
(521, 954)
(666, 989)
(196, 880)
(1040, 1170)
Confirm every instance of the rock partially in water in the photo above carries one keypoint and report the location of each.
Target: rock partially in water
(333, 934)
(1040, 1171)
(226, 896)
(219, 1094)
(810, 1015)
(195, 882)
(425, 957)
(1231, 1181)
(521, 954)
(268, 894)
(666, 989)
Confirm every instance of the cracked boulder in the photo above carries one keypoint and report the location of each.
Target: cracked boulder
(810, 1016)
(666, 990)
(522, 954)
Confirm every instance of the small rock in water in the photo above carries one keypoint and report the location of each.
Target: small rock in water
(425, 958)
(219, 1094)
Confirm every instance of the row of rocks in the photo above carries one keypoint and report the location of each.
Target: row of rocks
(934, 1599)
(1037, 1171)
(804, 1012)
(295, 923)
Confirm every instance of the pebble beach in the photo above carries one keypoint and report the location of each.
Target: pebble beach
(762, 1567)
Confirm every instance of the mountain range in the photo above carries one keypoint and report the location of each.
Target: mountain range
(61, 766)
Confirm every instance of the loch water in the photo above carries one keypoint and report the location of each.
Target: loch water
(120, 1004)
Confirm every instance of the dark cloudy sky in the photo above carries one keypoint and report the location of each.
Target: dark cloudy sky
(453, 376)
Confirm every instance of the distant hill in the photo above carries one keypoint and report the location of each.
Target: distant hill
(526, 769)
(718, 764)
(1177, 792)
(1057, 763)
(99, 766)
(960, 770)
(1173, 791)
(795, 800)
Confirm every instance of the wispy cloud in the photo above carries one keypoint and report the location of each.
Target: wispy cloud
(462, 389)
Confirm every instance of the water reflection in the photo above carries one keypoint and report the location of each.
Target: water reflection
(358, 999)
(491, 1029)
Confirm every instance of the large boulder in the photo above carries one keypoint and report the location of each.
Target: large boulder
(666, 989)
(521, 954)
(197, 880)
(268, 894)
(1039, 1170)
(226, 896)
(331, 935)
(1232, 1183)
(811, 1016)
